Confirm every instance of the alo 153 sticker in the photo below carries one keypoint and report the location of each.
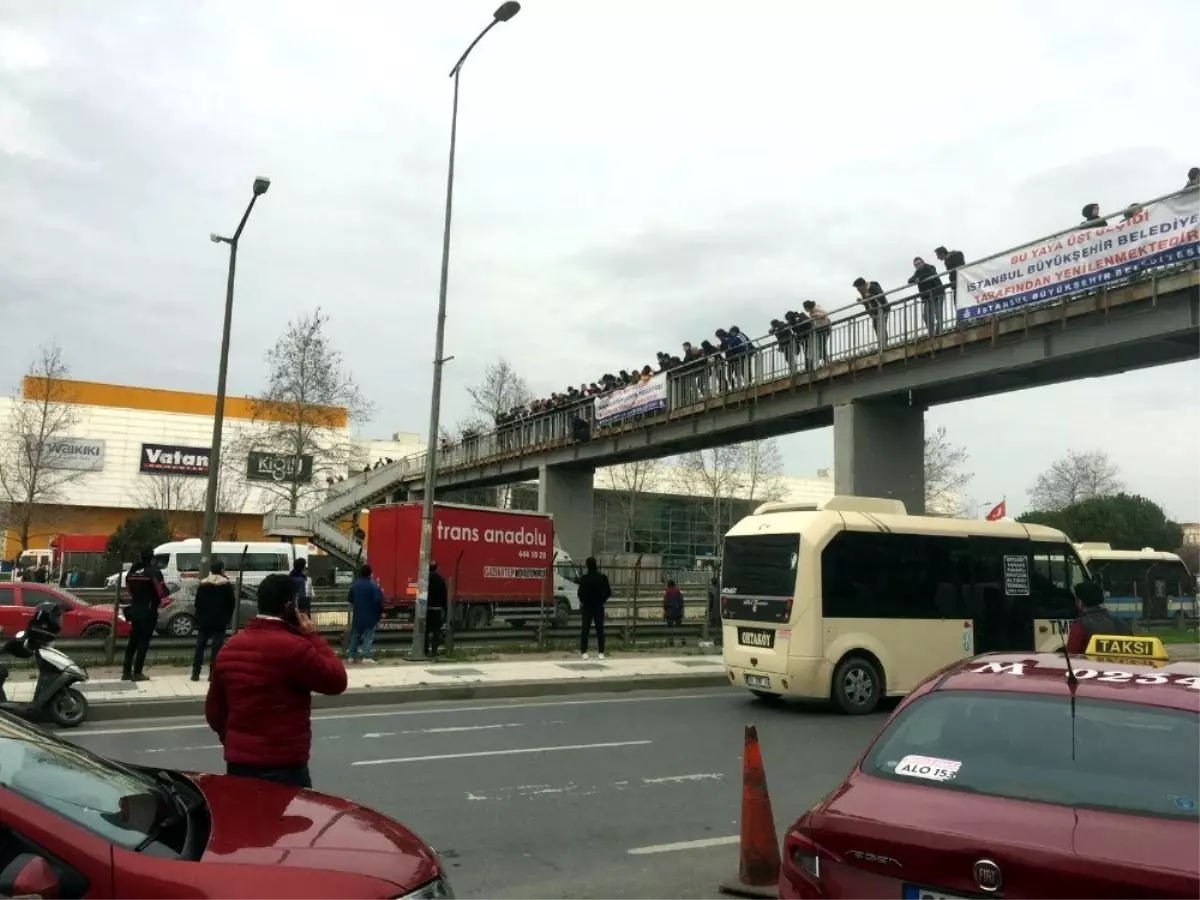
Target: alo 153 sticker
(928, 767)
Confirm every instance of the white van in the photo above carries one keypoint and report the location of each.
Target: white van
(180, 560)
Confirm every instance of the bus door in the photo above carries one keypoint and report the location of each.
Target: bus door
(1055, 572)
(999, 599)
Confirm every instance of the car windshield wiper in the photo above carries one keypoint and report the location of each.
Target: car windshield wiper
(182, 809)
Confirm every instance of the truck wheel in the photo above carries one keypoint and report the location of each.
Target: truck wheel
(476, 618)
(562, 613)
(857, 686)
(517, 623)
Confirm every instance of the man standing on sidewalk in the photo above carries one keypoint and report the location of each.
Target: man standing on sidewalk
(439, 607)
(260, 699)
(594, 591)
(147, 590)
(366, 609)
(214, 612)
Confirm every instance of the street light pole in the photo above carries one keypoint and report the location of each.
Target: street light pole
(214, 454)
(417, 651)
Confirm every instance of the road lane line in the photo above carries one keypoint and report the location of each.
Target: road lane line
(452, 729)
(685, 845)
(674, 779)
(439, 756)
(145, 729)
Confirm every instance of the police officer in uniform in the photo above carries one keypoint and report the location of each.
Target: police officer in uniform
(147, 590)
(1093, 618)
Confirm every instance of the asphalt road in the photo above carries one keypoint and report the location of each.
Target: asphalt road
(555, 797)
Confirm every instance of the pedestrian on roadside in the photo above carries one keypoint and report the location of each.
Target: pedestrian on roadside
(1093, 618)
(439, 607)
(214, 611)
(303, 589)
(260, 699)
(147, 590)
(594, 591)
(366, 609)
(673, 607)
(714, 603)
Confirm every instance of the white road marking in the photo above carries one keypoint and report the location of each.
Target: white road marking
(146, 729)
(449, 730)
(674, 779)
(439, 756)
(685, 845)
(180, 749)
(574, 790)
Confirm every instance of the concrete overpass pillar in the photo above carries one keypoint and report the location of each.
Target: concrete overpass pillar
(879, 451)
(567, 495)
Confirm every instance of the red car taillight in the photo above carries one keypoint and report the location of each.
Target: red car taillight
(802, 863)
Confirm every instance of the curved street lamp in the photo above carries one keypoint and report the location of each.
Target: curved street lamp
(417, 651)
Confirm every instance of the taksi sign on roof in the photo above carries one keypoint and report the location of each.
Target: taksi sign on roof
(172, 459)
(73, 453)
(279, 467)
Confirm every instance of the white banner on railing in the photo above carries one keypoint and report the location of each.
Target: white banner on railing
(1161, 234)
(635, 400)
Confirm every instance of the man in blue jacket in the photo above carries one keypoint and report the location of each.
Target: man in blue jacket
(366, 609)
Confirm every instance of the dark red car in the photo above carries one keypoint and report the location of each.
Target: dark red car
(990, 780)
(19, 599)
(74, 824)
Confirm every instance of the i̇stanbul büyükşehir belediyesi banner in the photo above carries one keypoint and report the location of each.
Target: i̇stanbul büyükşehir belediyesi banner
(1160, 234)
(634, 400)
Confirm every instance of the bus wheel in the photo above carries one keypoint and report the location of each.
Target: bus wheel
(857, 686)
(765, 695)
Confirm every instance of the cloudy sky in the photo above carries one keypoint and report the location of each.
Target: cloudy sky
(630, 175)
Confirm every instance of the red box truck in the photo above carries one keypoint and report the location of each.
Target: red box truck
(498, 563)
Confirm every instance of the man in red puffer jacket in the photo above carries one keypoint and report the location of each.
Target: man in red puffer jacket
(260, 699)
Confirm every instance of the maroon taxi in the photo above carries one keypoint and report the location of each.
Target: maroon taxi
(76, 824)
(1004, 776)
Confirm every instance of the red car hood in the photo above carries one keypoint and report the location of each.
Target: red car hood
(260, 823)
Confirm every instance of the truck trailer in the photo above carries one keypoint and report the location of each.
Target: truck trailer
(498, 563)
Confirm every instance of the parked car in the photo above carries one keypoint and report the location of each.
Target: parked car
(178, 617)
(80, 825)
(80, 618)
(111, 580)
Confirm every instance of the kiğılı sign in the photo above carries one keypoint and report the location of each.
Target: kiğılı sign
(277, 467)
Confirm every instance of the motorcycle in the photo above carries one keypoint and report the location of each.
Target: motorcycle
(55, 696)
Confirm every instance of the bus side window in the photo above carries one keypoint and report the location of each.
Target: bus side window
(1053, 597)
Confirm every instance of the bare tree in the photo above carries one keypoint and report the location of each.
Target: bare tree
(945, 478)
(32, 476)
(1077, 476)
(310, 398)
(762, 466)
(715, 475)
(500, 390)
(630, 482)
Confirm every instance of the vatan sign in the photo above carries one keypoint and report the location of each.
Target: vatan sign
(635, 400)
(172, 459)
(73, 453)
(274, 467)
(1160, 234)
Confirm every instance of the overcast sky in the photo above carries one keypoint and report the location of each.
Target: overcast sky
(630, 175)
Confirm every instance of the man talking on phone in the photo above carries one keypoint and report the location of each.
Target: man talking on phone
(260, 699)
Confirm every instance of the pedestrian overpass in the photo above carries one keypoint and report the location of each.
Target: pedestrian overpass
(873, 389)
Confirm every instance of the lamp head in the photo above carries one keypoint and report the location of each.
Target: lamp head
(507, 10)
(261, 183)
(215, 238)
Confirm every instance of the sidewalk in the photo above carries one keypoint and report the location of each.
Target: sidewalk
(171, 692)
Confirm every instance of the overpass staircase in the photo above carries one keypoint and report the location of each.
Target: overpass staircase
(357, 492)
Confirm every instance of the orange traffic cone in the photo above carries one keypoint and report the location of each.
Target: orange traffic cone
(758, 868)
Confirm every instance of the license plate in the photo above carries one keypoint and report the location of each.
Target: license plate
(756, 637)
(758, 681)
(913, 892)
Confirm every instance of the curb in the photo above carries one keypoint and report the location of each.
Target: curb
(118, 710)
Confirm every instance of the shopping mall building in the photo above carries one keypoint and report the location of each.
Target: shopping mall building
(129, 449)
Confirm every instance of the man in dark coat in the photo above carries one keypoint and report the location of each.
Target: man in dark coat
(366, 609)
(933, 294)
(952, 261)
(1093, 618)
(439, 608)
(214, 612)
(147, 590)
(594, 591)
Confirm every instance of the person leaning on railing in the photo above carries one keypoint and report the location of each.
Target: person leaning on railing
(820, 327)
(871, 296)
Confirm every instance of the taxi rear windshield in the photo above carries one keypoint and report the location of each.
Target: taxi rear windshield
(1128, 758)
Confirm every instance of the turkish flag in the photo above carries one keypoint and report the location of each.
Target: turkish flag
(998, 512)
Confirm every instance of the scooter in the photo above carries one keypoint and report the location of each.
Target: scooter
(54, 696)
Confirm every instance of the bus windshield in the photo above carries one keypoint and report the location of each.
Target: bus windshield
(759, 577)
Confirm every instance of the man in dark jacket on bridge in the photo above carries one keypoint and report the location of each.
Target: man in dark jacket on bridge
(260, 699)
(214, 612)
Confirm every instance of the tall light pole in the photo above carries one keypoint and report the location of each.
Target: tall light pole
(214, 454)
(417, 651)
